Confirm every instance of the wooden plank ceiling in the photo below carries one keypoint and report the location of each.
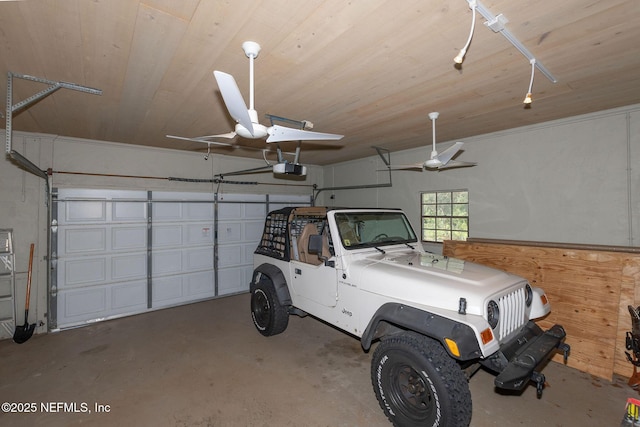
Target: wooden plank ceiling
(369, 69)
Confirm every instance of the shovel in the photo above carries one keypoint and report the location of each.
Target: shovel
(24, 332)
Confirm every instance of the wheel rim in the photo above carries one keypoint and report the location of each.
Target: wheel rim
(411, 392)
(261, 309)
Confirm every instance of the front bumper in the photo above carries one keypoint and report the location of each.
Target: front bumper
(519, 359)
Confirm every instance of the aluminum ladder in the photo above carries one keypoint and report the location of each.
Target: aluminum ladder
(7, 284)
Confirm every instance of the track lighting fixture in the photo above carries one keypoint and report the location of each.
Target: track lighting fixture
(460, 57)
(497, 25)
(527, 99)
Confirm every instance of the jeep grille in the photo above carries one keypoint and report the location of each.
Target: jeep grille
(512, 313)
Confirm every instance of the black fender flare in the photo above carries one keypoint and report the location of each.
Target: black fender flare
(277, 278)
(426, 323)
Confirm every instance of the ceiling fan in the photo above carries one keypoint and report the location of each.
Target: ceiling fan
(247, 124)
(438, 161)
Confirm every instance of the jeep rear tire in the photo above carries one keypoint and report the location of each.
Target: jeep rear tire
(269, 316)
(418, 384)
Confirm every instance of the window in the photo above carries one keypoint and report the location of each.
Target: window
(445, 215)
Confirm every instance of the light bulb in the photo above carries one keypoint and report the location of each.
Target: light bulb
(458, 59)
(527, 99)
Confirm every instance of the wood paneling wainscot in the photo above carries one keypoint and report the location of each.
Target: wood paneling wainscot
(589, 287)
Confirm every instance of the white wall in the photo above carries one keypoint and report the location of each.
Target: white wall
(23, 195)
(574, 180)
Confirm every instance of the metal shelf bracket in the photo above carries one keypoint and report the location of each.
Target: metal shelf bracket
(11, 108)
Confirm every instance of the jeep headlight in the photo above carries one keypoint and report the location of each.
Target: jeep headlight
(493, 314)
(529, 294)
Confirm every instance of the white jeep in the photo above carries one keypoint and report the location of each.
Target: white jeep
(438, 319)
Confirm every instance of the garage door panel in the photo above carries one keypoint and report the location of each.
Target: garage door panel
(240, 224)
(229, 211)
(84, 211)
(275, 206)
(77, 306)
(167, 291)
(81, 304)
(167, 235)
(229, 232)
(128, 296)
(247, 253)
(131, 266)
(174, 290)
(77, 241)
(229, 255)
(199, 210)
(92, 193)
(200, 285)
(231, 280)
(199, 258)
(129, 238)
(254, 211)
(199, 233)
(248, 276)
(289, 199)
(253, 231)
(83, 240)
(240, 227)
(166, 262)
(129, 212)
(83, 271)
(167, 211)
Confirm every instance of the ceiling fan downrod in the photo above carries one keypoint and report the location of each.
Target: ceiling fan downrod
(251, 49)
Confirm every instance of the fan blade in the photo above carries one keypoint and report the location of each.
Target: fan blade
(457, 164)
(203, 139)
(225, 144)
(229, 135)
(447, 154)
(416, 166)
(282, 133)
(233, 99)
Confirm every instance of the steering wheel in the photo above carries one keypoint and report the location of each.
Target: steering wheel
(379, 237)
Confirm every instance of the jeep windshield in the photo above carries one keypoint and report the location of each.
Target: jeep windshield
(373, 229)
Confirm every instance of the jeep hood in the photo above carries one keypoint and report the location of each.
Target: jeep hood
(431, 280)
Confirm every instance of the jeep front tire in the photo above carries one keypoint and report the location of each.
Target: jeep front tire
(418, 384)
(269, 316)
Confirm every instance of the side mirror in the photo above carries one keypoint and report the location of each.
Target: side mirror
(315, 245)
(315, 248)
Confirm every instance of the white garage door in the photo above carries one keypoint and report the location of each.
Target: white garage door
(127, 252)
(182, 241)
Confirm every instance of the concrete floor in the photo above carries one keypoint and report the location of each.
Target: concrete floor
(205, 365)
